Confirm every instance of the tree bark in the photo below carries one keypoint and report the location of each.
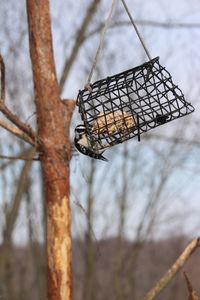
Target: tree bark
(53, 120)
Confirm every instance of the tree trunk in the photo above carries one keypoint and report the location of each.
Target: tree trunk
(53, 120)
(89, 264)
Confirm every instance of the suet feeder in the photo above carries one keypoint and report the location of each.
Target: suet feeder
(126, 105)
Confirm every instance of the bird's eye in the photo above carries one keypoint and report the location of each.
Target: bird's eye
(80, 130)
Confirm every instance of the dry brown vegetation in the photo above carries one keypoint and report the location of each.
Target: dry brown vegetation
(28, 274)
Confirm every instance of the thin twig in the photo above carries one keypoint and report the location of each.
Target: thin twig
(146, 23)
(19, 158)
(192, 293)
(172, 139)
(12, 214)
(78, 204)
(2, 81)
(15, 120)
(78, 40)
(166, 25)
(25, 153)
(162, 283)
(17, 132)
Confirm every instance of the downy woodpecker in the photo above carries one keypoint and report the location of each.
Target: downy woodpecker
(83, 145)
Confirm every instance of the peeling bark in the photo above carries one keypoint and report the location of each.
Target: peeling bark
(53, 119)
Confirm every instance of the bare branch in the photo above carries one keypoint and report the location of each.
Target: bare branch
(15, 120)
(147, 23)
(21, 154)
(70, 104)
(23, 131)
(162, 283)
(80, 37)
(17, 132)
(12, 214)
(2, 81)
(165, 25)
(18, 158)
(192, 293)
(172, 139)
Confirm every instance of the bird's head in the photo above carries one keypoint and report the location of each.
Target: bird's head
(80, 131)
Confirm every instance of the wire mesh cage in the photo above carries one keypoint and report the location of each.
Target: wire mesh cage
(130, 103)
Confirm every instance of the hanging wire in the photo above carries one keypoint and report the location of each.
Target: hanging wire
(87, 86)
(136, 29)
(102, 37)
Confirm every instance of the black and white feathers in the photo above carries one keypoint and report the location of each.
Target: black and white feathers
(82, 144)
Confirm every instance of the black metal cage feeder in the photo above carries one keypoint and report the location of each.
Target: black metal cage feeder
(130, 103)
